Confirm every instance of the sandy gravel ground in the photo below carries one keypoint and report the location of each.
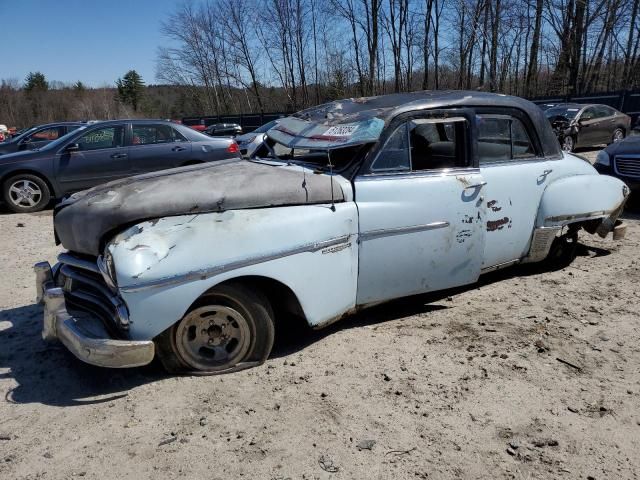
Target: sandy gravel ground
(529, 374)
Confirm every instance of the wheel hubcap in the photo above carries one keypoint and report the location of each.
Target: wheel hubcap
(617, 136)
(213, 337)
(25, 193)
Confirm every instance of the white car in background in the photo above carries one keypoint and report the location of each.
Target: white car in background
(249, 142)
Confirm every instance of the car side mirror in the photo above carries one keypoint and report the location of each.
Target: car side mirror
(72, 147)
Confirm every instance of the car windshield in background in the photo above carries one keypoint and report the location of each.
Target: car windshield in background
(567, 112)
(265, 127)
(56, 143)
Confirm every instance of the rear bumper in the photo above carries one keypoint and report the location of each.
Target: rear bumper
(86, 337)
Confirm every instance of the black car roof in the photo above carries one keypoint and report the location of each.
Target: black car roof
(386, 107)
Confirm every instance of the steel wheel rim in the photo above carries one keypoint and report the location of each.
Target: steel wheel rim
(213, 337)
(567, 144)
(25, 193)
(618, 135)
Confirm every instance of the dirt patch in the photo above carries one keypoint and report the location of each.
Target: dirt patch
(527, 374)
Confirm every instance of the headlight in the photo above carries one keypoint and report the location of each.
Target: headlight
(107, 269)
(603, 158)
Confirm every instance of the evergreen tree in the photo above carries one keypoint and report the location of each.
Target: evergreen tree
(37, 82)
(130, 89)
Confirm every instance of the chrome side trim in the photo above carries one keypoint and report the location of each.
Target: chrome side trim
(577, 216)
(78, 262)
(388, 232)
(399, 175)
(541, 242)
(499, 266)
(205, 273)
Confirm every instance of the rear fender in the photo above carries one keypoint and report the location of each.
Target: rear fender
(580, 198)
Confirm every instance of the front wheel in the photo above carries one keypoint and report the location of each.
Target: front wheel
(568, 144)
(227, 329)
(26, 193)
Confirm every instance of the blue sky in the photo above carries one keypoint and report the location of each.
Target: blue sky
(88, 40)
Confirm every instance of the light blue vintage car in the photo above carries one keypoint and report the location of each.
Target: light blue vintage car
(344, 206)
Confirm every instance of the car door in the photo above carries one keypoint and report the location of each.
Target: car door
(516, 172)
(589, 128)
(420, 208)
(157, 147)
(96, 157)
(607, 123)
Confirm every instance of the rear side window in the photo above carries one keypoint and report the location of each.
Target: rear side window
(153, 134)
(47, 134)
(503, 139)
(110, 137)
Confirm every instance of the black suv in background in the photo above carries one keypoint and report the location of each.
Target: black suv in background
(100, 152)
(37, 137)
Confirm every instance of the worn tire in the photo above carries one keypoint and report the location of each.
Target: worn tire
(43, 198)
(563, 252)
(568, 144)
(250, 304)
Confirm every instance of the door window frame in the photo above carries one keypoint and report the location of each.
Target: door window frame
(86, 132)
(507, 112)
(177, 137)
(470, 141)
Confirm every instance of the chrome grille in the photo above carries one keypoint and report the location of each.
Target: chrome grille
(627, 166)
(85, 290)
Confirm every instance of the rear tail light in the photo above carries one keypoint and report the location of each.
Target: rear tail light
(233, 148)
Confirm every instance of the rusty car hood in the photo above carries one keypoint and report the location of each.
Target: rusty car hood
(82, 221)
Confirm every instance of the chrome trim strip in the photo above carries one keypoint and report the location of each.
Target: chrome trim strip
(205, 273)
(78, 262)
(498, 266)
(419, 173)
(388, 232)
(577, 216)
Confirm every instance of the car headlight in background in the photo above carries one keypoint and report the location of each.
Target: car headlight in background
(603, 159)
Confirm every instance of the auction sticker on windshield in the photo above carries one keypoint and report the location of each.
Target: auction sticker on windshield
(341, 131)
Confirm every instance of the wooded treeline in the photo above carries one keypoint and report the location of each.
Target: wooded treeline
(314, 50)
(232, 56)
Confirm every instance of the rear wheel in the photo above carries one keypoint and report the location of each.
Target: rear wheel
(26, 193)
(563, 251)
(227, 329)
(618, 134)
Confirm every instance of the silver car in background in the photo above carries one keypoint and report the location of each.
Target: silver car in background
(249, 142)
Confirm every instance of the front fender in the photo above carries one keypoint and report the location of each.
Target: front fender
(580, 197)
(163, 266)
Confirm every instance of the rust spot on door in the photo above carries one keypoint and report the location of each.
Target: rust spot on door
(493, 225)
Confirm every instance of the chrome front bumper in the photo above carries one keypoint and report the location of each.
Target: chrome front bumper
(86, 337)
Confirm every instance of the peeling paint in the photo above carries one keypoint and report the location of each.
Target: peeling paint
(493, 225)
(493, 206)
(463, 235)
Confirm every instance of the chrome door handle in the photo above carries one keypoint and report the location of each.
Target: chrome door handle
(476, 185)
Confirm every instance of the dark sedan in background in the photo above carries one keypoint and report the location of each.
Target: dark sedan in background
(224, 130)
(622, 160)
(38, 137)
(578, 125)
(100, 152)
